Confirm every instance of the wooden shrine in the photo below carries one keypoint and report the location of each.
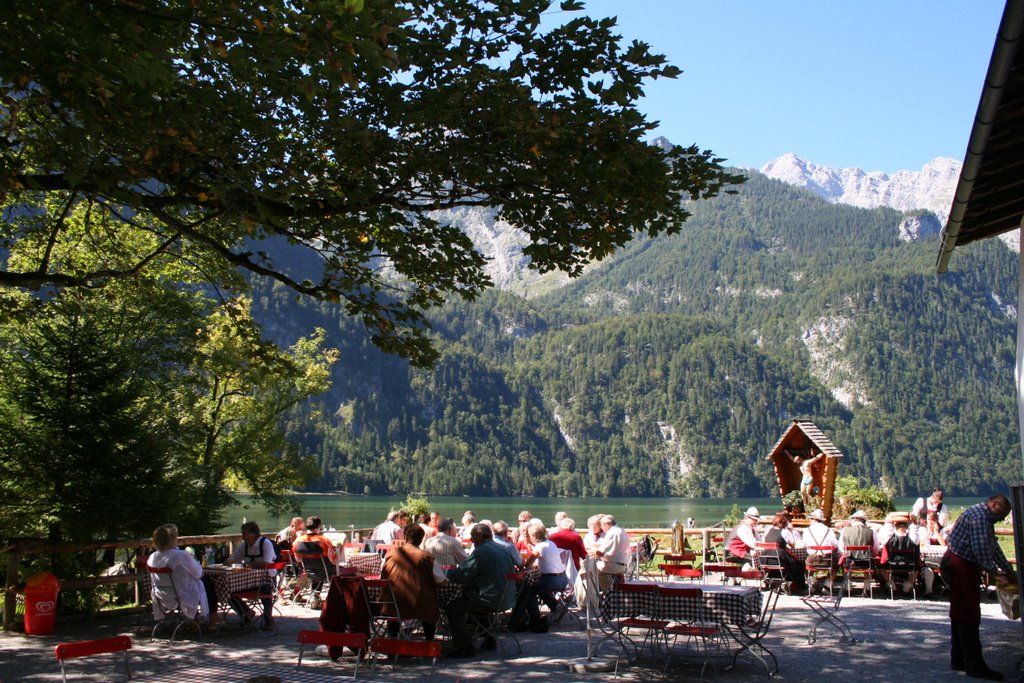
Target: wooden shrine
(803, 444)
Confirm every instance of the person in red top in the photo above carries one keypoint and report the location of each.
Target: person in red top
(312, 535)
(567, 538)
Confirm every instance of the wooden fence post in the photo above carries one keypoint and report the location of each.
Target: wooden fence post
(11, 587)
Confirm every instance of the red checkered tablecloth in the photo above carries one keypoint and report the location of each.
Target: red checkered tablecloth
(227, 581)
(365, 563)
(730, 604)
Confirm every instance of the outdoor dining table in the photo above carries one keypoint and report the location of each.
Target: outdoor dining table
(727, 604)
(366, 564)
(228, 580)
(733, 607)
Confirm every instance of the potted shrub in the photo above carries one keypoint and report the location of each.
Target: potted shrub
(793, 503)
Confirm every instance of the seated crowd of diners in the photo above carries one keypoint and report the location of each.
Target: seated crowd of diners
(499, 567)
(891, 549)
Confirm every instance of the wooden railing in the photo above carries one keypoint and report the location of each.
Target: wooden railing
(28, 547)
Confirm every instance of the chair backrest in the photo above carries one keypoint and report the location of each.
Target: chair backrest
(685, 556)
(163, 577)
(380, 597)
(87, 648)
(680, 571)
(903, 560)
(816, 553)
(314, 564)
(309, 548)
(858, 557)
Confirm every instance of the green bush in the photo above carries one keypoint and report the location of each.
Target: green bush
(416, 506)
(851, 496)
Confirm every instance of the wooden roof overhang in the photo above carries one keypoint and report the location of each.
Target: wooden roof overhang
(989, 198)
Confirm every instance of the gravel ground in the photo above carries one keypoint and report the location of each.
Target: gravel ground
(904, 640)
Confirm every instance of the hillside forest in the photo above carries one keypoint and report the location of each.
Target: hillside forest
(672, 367)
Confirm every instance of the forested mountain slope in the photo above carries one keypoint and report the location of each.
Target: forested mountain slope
(674, 366)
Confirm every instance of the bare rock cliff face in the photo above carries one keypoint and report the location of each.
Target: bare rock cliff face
(930, 188)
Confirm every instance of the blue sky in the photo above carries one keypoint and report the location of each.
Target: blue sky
(882, 85)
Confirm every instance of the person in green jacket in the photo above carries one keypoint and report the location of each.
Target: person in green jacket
(487, 589)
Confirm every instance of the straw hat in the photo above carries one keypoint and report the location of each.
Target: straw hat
(752, 513)
(859, 514)
(897, 518)
(818, 514)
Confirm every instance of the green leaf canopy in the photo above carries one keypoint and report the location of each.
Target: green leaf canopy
(341, 127)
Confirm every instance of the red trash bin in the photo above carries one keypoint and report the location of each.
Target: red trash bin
(41, 603)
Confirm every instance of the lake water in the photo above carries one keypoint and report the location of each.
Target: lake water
(369, 511)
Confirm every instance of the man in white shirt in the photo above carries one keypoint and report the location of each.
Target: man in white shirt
(391, 529)
(743, 540)
(932, 503)
(446, 549)
(612, 551)
(819, 535)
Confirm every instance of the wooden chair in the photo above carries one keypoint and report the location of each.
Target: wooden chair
(87, 648)
(353, 641)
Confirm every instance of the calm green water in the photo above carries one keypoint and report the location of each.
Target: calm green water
(368, 511)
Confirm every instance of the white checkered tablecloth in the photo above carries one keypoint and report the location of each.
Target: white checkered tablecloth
(227, 581)
(730, 604)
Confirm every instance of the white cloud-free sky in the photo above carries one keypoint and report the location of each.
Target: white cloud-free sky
(882, 85)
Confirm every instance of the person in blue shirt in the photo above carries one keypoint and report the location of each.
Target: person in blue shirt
(973, 549)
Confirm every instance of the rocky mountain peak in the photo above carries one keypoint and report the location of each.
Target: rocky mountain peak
(930, 188)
